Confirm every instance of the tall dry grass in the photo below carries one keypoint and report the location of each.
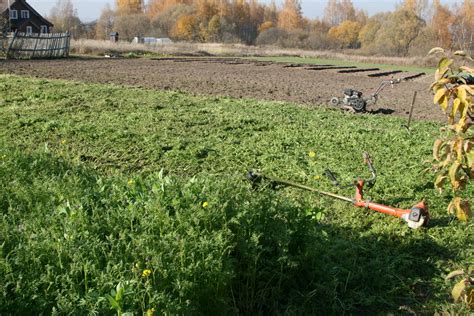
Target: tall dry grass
(95, 47)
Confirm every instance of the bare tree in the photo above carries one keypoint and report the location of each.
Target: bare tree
(64, 17)
(131, 25)
(3, 31)
(462, 29)
(398, 31)
(3, 25)
(337, 11)
(105, 23)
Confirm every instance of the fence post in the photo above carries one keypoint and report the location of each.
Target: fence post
(68, 43)
(11, 44)
(36, 45)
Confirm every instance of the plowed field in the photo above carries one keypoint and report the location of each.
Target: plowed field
(304, 84)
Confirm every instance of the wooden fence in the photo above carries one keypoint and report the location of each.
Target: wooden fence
(35, 45)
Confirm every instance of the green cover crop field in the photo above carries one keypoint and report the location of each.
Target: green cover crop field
(116, 199)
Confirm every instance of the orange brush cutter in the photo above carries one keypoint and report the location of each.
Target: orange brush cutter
(415, 217)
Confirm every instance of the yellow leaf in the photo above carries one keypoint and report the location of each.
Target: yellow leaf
(454, 274)
(436, 50)
(451, 206)
(444, 63)
(461, 93)
(468, 144)
(463, 211)
(458, 148)
(455, 107)
(468, 89)
(446, 162)
(439, 84)
(460, 183)
(444, 103)
(453, 170)
(462, 80)
(438, 144)
(439, 182)
(458, 290)
(440, 73)
(467, 69)
(470, 159)
(462, 124)
(460, 53)
(439, 94)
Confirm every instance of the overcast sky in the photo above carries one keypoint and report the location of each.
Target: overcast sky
(89, 10)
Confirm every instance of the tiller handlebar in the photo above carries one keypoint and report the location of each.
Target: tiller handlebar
(415, 217)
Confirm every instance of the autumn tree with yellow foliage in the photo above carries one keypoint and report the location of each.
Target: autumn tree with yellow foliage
(441, 24)
(155, 7)
(346, 34)
(419, 7)
(412, 27)
(133, 6)
(186, 28)
(290, 17)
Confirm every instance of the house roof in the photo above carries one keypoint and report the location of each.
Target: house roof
(4, 7)
(36, 13)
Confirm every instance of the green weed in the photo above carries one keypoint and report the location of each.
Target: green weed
(118, 199)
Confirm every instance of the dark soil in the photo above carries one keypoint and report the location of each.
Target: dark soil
(239, 79)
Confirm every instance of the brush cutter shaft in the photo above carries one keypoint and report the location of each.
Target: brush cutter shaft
(382, 208)
(299, 186)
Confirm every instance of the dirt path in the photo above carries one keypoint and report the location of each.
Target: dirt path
(304, 84)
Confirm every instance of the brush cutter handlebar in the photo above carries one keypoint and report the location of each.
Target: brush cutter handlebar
(371, 181)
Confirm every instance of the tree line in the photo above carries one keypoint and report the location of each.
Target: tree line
(412, 28)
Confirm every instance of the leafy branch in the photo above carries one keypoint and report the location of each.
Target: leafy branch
(464, 288)
(453, 155)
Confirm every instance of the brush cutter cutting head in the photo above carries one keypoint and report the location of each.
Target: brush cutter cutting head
(417, 217)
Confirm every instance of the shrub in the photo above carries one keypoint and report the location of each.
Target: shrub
(271, 36)
(453, 154)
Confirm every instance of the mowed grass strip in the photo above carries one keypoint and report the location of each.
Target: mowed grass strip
(106, 187)
(339, 62)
